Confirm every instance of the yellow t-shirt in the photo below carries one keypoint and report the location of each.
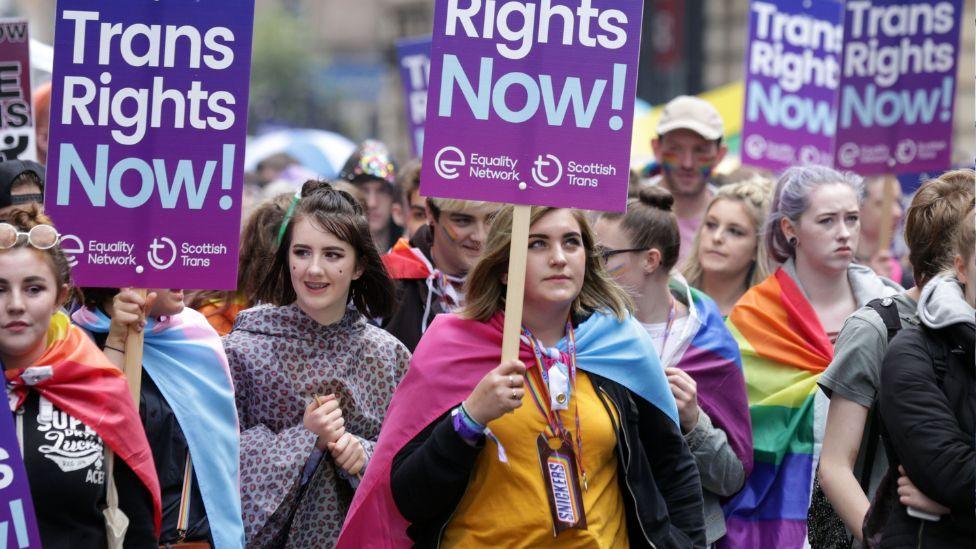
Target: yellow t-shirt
(505, 505)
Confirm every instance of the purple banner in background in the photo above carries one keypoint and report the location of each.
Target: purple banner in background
(18, 523)
(866, 85)
(16, 118)
(532, 102)
(898, 85)
(414, 57)
(146, 156)
(792, 73)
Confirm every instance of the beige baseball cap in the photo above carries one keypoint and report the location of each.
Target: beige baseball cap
(691, 113)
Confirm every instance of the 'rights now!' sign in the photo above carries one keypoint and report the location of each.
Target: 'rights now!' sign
(532, 102)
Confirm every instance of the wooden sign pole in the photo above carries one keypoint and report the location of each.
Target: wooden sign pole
(515, 292)
(887, 201)
(133, 357)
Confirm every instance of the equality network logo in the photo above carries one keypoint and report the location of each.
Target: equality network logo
(72, 246)
(162, 253)
(447, 161)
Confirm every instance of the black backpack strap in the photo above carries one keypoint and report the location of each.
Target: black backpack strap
(888, 311)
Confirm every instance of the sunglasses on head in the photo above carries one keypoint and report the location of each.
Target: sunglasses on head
(42, 237)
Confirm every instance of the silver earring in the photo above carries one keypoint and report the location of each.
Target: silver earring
(793, 241)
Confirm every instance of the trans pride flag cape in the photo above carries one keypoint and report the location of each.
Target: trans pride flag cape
(450, 360)
(711, 357)
(87, 386)
(784, 351)
(185, 358)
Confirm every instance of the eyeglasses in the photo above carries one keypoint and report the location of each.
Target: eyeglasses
(42, 237)
(607, 253)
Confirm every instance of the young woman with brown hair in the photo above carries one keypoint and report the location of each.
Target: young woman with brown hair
(313, 378)
(699, 355)
(928, 409)
(595, 457)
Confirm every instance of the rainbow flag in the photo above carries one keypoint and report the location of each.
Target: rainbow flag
(83, 383)
(784, 350)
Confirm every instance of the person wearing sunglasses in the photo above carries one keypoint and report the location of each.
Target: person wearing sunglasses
(21, 184)
(85, 453)
(699, 355)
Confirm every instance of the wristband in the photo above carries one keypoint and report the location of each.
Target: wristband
(470, 420)
(464, 428)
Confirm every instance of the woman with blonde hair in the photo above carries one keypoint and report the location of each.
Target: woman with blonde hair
(728, 256)
(596, 458)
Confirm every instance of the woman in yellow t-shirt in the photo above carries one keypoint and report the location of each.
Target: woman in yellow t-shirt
(594, 458)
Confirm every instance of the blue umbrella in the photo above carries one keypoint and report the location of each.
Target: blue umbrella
(320, 151)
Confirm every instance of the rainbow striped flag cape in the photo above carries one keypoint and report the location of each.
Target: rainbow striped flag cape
(784, 350)
(86, 385)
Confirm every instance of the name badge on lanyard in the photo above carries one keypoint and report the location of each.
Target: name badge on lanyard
(558, 387)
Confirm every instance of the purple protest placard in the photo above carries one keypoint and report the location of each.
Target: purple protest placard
(898, 85)
(16, 119)
(148, 121)
(532, 102)
(18, 523)
(792, 74)
(414, 57)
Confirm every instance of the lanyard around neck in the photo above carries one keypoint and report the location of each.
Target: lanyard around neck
(538, 386)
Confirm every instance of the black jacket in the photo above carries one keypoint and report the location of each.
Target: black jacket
(658, 477)
(406, 323)
(928, 408)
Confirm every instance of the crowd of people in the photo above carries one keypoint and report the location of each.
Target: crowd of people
(737, 360)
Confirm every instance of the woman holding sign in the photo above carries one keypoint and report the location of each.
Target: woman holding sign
(786, 327)
(594, 457)
(699, 355)
(313, 378)
(84, 449)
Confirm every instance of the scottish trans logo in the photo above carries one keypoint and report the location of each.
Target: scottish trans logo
(162, 253)
(547, 170)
